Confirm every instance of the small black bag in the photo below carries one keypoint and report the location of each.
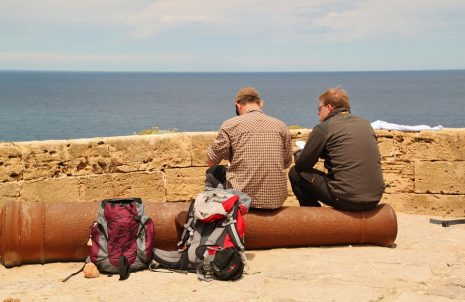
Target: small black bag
(228, 264)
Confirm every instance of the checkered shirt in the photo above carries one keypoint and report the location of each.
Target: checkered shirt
(257, 147)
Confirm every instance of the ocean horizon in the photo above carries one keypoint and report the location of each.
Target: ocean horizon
(42, 105)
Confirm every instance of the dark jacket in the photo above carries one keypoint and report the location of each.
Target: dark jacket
(347, 143)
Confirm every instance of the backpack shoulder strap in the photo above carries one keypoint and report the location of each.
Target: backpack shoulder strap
(231, 227)
(74, 274)
(188, 226)
(123, 268)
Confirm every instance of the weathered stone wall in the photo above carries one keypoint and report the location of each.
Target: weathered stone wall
(424, 172)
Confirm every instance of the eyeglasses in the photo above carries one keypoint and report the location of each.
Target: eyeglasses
(320, 106)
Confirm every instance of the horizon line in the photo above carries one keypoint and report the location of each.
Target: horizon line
(206, 71)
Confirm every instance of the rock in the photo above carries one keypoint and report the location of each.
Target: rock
(91, 271)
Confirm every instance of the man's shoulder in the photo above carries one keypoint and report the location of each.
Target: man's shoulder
(349, 122)
(270, 122)
(231, 122)
(355, 119)
(362, 120)
(252, 118)
(275, 120)
(322, 126)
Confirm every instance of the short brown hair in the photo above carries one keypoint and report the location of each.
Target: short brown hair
(248, 95)
(336, 97)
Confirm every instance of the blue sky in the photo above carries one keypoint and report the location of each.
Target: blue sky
(232, 35)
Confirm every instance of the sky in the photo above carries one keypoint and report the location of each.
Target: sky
(232, 35)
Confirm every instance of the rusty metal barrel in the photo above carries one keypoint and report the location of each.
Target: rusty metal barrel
(50, 232)
(313, 226)
(310, 226)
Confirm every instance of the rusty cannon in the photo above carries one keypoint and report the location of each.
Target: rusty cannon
(52, 232)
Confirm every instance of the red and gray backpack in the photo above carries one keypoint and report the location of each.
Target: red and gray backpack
(122, 237)
(212, 242)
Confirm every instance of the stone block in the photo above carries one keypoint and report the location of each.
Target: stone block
(130, 154)
(50, 190)
(11, 164)
(401, 148)
(150, 186)
(427, 204)
(44, 159)
(49, 159)
(9, 191)
(440, 177)
(149, 152)
(300, 134)
(87, 157)
(446, 145)
(184, 184)
(200, 143)
(386, 148)
(385, 133)
(398, 176)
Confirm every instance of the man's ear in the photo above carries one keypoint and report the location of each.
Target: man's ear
(238, 107)
(260, 104)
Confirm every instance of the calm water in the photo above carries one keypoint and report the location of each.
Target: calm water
(63, 105)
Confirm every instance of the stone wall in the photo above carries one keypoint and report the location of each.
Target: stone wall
(424, 172)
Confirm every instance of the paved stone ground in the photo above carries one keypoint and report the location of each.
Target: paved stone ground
(427, 264)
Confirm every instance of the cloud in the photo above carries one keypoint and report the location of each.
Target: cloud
(227, 17)
(333, 20)
(330, 20)
(43, 13)
(391, 19)
(230, 34)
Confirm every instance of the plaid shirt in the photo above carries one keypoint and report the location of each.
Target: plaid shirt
(257, 147)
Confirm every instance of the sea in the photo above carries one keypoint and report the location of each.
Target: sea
(44, 105)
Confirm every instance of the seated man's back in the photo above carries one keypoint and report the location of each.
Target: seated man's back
(258, 149)
(352, 159)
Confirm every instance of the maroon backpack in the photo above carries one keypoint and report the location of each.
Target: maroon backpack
(122, 237)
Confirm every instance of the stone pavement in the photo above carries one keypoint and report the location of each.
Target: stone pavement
(427, 264)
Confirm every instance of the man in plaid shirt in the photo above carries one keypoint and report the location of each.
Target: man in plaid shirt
(257, 147)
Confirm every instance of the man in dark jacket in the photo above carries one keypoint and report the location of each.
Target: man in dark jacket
(347, 143)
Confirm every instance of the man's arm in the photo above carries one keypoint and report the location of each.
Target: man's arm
(314, 147)
(220, 149)
(287, 149)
